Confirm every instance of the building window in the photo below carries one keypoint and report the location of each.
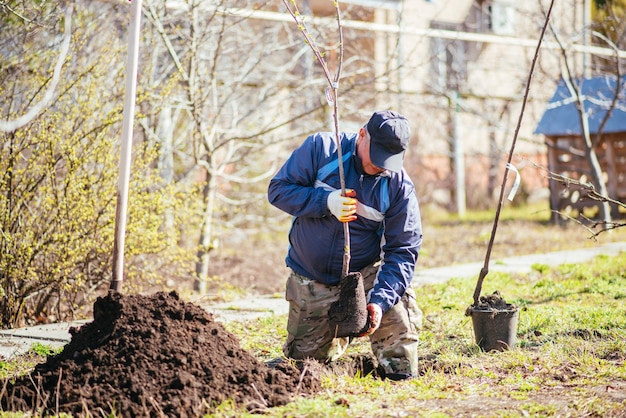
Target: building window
(449, 58)
(492, 16)
(448, 61)
(502, 17)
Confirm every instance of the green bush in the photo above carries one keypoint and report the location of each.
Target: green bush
(58, 185)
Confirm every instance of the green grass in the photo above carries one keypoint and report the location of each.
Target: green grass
(569, 359)
(24, 363)
(538, 212)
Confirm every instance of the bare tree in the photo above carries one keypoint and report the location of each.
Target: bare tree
(574, 87)
(229, 104)
(232, 92)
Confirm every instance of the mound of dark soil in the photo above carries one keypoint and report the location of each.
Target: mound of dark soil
(153, 356)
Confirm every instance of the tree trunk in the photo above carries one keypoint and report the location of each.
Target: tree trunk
(206, 235)
(594, 163)
(165, 136)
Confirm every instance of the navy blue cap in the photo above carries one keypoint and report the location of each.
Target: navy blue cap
(389, 138)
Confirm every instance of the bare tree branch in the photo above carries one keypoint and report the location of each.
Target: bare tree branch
(575, 90)
(13, 125)
(588, 191)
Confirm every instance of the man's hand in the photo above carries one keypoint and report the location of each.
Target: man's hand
(343, 207)
(374, 316)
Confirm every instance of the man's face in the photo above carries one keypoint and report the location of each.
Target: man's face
(363, 151)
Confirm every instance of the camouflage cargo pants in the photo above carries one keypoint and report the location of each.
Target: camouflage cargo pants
(394, 344)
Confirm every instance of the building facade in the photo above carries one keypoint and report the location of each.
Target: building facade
(459, 70)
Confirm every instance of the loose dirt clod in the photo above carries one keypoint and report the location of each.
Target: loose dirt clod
(153, 356)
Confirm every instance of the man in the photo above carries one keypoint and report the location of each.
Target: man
(385, 238)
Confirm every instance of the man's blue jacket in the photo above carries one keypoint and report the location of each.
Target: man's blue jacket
(388, 225)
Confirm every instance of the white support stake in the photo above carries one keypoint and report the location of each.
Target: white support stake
(126, 145)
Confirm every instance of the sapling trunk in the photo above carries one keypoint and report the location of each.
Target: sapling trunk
(485, 269)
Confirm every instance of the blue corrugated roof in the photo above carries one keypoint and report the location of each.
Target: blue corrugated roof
(561, 116)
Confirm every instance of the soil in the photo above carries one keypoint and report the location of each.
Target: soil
(347, 316)
(154, 356)
(489, 303)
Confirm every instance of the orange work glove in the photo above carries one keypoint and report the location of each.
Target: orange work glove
(343, 207)
(374, 316)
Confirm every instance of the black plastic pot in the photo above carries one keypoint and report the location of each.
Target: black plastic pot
(494, 329)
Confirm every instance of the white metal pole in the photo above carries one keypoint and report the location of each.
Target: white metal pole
(586, 37)
(126, 145)
(459, 158)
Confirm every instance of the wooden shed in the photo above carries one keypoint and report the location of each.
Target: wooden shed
(561, 126)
